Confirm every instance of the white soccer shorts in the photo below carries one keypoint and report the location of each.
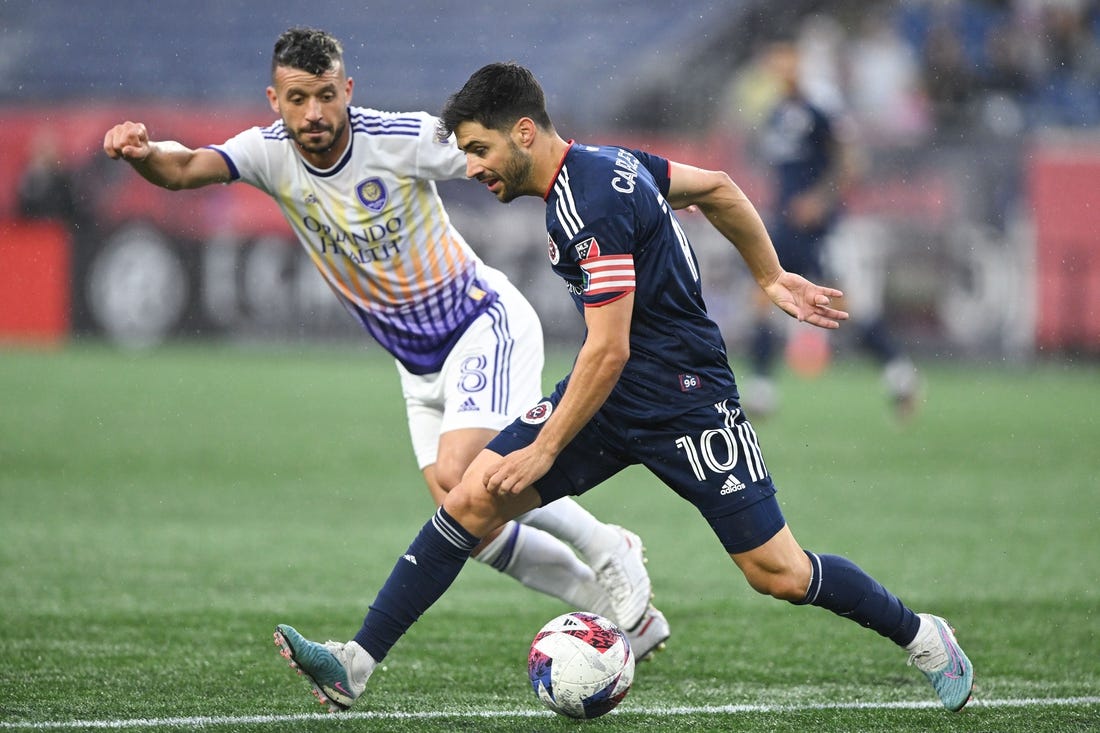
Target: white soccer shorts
(492, 375)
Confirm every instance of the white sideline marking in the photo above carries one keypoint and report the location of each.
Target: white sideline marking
(207, 721)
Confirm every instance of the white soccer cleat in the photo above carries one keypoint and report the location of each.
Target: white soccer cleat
(903, 384)
(650, 635)
(623, 576)
(760, 398)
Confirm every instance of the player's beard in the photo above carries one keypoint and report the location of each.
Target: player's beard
(515, 175)
(323, 147)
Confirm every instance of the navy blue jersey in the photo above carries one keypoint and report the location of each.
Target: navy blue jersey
(798, 144)
(611, 232)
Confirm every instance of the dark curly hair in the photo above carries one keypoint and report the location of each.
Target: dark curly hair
(495, 96)
(308, 49)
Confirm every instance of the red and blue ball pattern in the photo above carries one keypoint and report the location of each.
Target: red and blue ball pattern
(580, 665)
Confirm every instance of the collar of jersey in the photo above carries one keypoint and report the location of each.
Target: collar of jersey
(546, 196)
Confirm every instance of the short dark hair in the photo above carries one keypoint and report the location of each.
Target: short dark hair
(495, 96)
(308, 49)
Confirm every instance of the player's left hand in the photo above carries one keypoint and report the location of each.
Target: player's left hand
(517, 471)
(802, 299)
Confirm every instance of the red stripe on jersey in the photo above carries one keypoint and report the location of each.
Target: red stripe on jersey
(609, 274)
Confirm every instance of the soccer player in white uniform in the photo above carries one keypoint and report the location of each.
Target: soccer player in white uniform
(358, 187)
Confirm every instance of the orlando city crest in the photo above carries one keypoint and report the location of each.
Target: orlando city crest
(372, 192)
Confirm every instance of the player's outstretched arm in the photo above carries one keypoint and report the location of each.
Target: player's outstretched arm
(728, 208)
(167, 164)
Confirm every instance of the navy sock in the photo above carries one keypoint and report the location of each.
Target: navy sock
(419, 578)
(839, 585)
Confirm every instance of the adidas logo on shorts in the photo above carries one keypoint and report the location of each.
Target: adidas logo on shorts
(731, 485)
(469, 406)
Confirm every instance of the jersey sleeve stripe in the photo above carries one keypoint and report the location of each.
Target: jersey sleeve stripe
(275, 131)
(381, 125)
(611, 287)
(605, 262)
(618, 295)
(234, 174)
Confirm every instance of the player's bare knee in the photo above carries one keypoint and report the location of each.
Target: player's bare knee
(784, 586)
(473, 507)
(459, 503)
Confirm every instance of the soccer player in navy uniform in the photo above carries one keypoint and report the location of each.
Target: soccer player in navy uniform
(650, 385)
(358, 187)
(812, 158)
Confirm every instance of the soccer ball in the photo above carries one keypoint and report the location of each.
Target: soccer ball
(580, 665)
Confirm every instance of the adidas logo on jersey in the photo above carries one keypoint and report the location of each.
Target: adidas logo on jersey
(469, 406)
(731, 485)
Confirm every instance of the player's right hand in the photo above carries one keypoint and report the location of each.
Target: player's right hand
(128, 141)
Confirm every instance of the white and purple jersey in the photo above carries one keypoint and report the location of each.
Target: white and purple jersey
(611, 232)
(374, 225)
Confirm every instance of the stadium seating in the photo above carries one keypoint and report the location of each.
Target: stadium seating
(403, 55)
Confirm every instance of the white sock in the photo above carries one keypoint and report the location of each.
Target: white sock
(924, 632)
(360, 666)
(544, 563)
(927, 650)
(570, 522)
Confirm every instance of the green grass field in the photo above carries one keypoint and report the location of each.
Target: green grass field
(161, 511)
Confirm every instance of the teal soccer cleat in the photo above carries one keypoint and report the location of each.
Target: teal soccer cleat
(327, 666)
(936, 653)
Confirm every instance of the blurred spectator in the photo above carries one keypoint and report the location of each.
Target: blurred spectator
(750, 94)
(47, 189)
(884, 82)
(948, 77)
(1070, 92)
(1006, 81)
(1007, 64)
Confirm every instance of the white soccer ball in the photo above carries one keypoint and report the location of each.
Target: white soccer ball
(580, 665)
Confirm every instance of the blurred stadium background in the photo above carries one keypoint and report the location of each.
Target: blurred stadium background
(974, 226)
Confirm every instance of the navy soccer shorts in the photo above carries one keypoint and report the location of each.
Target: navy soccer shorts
(709, 455)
